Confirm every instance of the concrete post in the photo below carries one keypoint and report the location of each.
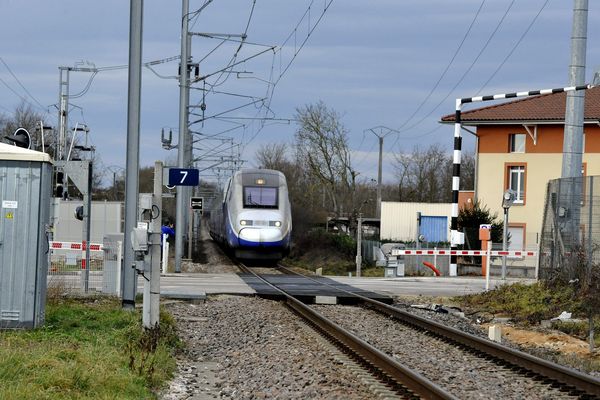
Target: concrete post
(129, 282)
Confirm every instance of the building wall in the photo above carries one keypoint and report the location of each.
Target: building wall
(542, 161)
(399, 219)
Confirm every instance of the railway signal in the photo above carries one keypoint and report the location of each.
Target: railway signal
(20, 138)
(196, 203)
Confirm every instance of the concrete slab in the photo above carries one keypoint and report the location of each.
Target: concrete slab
(325, 300)
(208, 284)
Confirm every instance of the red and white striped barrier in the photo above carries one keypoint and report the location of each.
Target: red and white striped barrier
(510, 253)
(75, 246)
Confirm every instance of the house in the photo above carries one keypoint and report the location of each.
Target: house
(519, 146)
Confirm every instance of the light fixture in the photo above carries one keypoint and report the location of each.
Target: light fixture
(508, 198)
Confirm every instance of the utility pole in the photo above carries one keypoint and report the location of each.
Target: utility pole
(380, 136)
(574, 116)
(184, 84)
(129, 282)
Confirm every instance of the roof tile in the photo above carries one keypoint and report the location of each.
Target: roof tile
(548, 107)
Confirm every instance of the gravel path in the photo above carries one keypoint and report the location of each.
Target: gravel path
(464, 374)
(234, 352)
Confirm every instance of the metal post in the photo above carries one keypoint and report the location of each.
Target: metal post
(63, 113)
(129, 283)
(87, 212)
(378, 211)
(455, 187)
(590, 208)
(190, 236)
(359, 246)
(504, 241)
(183, 86)
(417, 241)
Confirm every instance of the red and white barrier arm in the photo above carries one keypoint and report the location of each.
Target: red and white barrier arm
(510, 253)
(75, 246)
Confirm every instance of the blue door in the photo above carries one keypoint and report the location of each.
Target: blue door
(435, 229)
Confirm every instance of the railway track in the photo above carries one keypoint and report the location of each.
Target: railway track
(565, 380)
(404, 381)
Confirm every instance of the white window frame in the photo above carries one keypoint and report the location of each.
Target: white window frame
(520, 172)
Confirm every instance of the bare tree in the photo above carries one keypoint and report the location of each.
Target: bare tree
(26, 117)
(426, 175)
(272, 156)
(322, 145)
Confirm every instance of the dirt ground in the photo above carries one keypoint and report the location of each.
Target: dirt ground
(208, 258)
(551, 340)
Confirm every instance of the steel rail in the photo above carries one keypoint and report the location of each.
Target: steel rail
(548, 369)
(391, 368)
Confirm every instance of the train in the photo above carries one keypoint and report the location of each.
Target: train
(252, 216)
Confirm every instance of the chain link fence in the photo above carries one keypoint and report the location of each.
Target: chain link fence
(69, 274)
(571, 227)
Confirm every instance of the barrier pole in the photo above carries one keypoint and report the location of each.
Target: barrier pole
(487, 264)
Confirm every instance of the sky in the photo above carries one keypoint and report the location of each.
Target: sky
(387, 63)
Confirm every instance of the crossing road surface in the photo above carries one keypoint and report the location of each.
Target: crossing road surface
(200, 284)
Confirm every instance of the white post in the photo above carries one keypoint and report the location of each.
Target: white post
(358, 246)
(165, 253)
(488, 265)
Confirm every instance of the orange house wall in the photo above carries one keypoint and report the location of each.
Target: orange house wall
(495, 139)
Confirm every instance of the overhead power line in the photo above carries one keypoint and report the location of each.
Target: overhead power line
(22, 86)
(462, 77)
(514, 47)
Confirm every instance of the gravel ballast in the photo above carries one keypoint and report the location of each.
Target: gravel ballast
(249, 348)
(462, 373)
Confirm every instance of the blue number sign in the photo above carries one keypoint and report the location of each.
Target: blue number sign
(183, 177)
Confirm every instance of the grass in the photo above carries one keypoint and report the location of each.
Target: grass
(87, 349)
(525, 304)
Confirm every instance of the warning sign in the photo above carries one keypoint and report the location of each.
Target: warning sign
(9, 215)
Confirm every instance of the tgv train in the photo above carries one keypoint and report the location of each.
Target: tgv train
(253, 216)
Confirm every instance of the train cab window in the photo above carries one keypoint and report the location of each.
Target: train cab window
(260, 197)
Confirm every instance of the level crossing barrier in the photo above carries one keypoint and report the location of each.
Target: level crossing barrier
(524, 263)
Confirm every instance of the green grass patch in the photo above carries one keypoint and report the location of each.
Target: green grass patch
(526, 304)
(87, 349)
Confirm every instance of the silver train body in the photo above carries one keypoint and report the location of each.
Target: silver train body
(253, 216)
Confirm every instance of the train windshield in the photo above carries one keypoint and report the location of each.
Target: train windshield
(260, 197)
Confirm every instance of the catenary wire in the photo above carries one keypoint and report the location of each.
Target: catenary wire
(462, 77)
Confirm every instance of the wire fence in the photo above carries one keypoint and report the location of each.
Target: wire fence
(571, 227)
(68, 272)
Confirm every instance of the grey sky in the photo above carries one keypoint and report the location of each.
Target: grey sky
(373, 62)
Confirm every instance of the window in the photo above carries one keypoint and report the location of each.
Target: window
(517, 142)
(516, 182)
(260, 197)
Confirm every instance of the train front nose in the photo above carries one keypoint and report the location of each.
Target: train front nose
(257, 237)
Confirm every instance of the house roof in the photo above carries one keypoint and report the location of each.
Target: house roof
(543, 108)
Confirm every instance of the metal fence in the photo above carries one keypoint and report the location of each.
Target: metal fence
(68, 272)
(571, 227)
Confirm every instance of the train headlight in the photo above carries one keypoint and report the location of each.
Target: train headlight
(245, 222)
(275, 223)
